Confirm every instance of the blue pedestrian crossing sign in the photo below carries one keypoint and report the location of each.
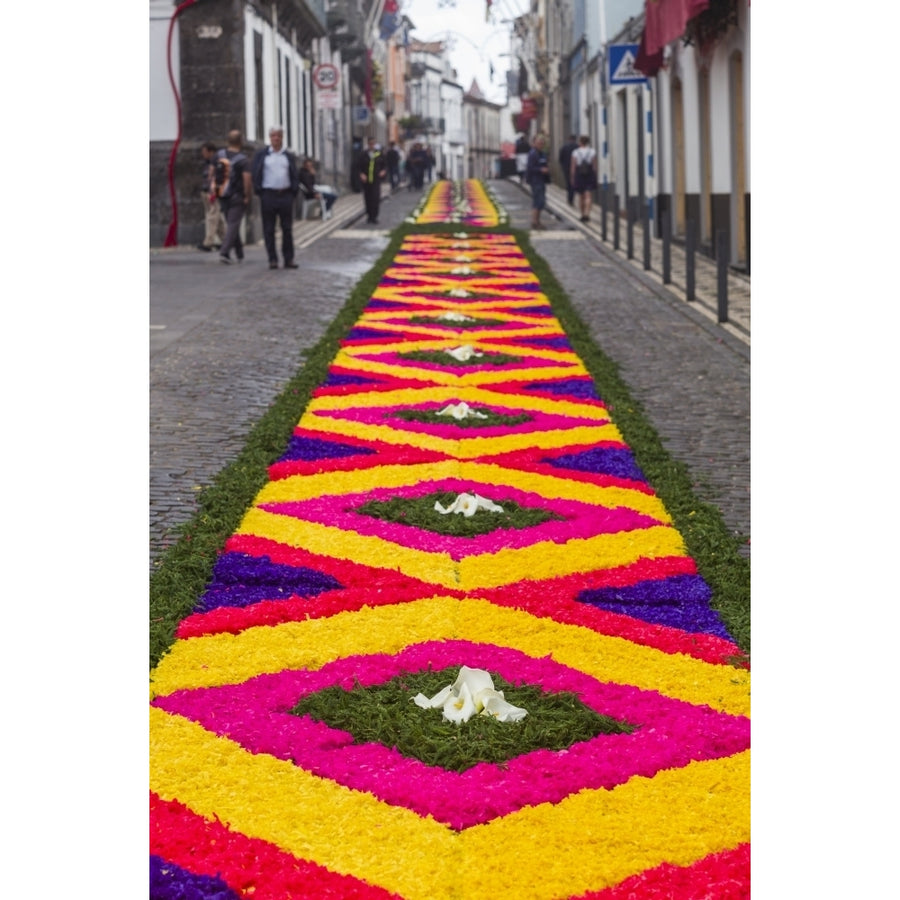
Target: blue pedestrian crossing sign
(621, 65)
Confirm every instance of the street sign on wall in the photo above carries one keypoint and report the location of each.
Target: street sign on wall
(328, 99)
(326, 76)
(621, 65)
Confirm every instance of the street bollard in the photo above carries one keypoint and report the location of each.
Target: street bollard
(629, 229)
(646, 223)
(689, 251)
(603, 203)
(667, 247)
(722, 273)
(616, 222)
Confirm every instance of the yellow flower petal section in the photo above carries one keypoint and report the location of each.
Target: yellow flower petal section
(306, 487)
(463, 447)
(679, 816)
(544, 559)
(472, 395)
(232, 659)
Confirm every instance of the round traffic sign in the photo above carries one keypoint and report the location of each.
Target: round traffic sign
(326, 75)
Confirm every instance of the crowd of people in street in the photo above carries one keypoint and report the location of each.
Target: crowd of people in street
(229, 179)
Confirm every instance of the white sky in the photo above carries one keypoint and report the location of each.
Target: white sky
(475, 41)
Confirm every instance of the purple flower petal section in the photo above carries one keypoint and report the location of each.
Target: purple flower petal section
(361, 333)
(240, 580)
(316, 448)
(555, 343)
(573, 387)
(336, 379)
(615, 461)
(681, 601)
(170, 882)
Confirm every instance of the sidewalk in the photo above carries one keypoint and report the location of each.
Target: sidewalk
(705, 270)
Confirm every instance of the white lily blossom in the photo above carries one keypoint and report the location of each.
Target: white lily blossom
(452, 316)
(462, 270)
(462, 257)
(464, 353)
(461, 234)
(438, 700)
(468, 505)
(472, 692)
(502, 710)
(460, 707)
(459, 292)
(461, 410)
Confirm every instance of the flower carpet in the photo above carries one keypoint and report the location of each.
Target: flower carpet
(570, 578)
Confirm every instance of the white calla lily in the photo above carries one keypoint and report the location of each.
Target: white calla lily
(462, 257)
(476, 680)
(462, 270)
(461, 234)
(439, 699)
(472, 692)
(464, 353)
(468, 505)
(459, 707)
(497, 707)
(461, 410)
(459, 292)
(452, 316)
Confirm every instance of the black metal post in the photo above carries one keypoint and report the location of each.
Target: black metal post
(722, 273)
(690, 247)
(603, 203)
(645, 212)
(667, 246)
(629, 230)
(616, 222)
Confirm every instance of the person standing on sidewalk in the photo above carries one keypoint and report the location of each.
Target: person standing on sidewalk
(392, 157)
(372, 170)
(583, 173)
(214, 224)
(537, 174)
(235, 199)
(277, 181)
(565, 159)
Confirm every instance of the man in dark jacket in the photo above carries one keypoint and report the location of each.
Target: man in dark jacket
(565, 160)
(276, 181)
(537, 173)
(372, 170)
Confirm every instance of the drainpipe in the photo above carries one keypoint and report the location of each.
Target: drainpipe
(172, 234)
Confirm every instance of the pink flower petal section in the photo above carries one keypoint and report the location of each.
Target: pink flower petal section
(580, 520)
(255, 714)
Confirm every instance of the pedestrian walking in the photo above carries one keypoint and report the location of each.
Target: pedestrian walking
(537, 174)
(429, 164)
(372, 171)
(523, 148)
(583, 174)
(416, 163)
(214, 224)
(276, 179)
(392, 158)
(235, 197)
(565, 159)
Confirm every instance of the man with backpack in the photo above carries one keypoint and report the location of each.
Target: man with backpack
(276, 179)
(583, 173)
(234, 194)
